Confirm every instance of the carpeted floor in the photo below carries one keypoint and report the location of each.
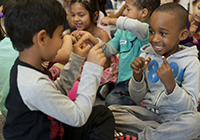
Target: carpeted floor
(2, 121)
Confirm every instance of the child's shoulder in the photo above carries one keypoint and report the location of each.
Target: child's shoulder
(102, 34)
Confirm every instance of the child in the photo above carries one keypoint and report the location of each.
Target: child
(7, 58)
(166, 77)
(193, 27)
(129, 38)
(36, 106)
(84, 16)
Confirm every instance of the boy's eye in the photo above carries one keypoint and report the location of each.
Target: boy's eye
(151, 32)
(163, 34)
(198, 7)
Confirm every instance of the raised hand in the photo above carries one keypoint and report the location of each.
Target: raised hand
(105, 21)
(165, 74)
(80, 48)
(138, 65)
(78, 34)
(193, 28)
(96, 55)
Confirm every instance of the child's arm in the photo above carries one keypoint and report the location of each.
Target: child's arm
(79, 52)
(44, 96)
(108, 49)
(138, 28)
(108, 21)
(137, 85)
(185, 96)
(65, 51)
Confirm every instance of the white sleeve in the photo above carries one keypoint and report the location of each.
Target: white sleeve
(138, 28)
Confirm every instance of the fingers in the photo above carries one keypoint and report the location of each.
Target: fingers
(97, 46)
(82, 39)
(96, 56)
(148, 60)
(164, 60)
(137, 63)
(73, 39)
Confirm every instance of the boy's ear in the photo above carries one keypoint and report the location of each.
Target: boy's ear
(144, 12)
(96, 15)
(184, 34)
(41, 37)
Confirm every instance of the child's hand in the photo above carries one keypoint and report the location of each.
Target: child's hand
(193, 28)
(73, 39)
(78, 34)
(165, 74)
(80, 48)
(96, 55)
(138, 65)
(105, 21)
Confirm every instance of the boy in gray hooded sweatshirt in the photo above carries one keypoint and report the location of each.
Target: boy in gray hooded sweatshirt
(166, 79)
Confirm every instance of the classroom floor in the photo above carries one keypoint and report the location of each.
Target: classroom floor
(2, 121)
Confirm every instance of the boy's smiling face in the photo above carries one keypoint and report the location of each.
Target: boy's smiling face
(164, 33)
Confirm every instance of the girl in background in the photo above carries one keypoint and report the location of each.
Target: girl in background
(193, 27)
(84, 14)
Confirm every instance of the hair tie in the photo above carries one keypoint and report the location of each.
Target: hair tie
(1, 15)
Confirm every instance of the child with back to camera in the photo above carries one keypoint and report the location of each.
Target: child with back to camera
(38, 108)
(166, 77)
(130, 37)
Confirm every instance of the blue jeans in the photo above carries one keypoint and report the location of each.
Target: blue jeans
(119, 95)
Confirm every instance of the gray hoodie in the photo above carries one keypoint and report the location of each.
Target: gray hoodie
(151, 90)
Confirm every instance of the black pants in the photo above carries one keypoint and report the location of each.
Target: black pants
(100, 126)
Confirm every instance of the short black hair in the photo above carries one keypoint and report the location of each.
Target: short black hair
(150, 5)
(90, 5)
(24, 18)
(180, 13)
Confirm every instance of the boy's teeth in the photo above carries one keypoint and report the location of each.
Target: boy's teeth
(158, 47)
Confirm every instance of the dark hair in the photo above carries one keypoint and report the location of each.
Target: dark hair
(90, 5)
(195, 2)
(150, 5)
(102, 4)
(1, 2)
(178, 11)
(1, 32)
(24, 18)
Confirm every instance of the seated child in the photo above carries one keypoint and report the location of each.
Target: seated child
(193, 27)
(38, 108)
(129, 38)
(166, 78)
(7, 57)
(84, 15)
